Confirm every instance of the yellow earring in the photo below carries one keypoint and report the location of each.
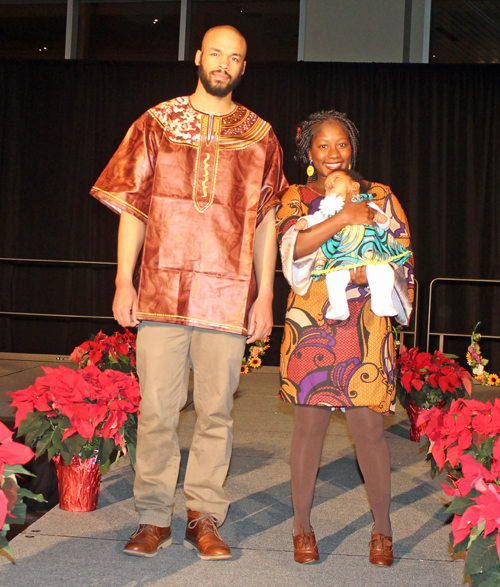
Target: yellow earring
(310, 169)
(350, 166)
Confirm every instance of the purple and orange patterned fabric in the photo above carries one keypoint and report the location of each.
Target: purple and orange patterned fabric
(335, 363)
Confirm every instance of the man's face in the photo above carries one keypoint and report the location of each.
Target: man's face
(221, 61)
(340, 184)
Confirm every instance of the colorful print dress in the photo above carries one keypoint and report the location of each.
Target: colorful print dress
(335, 363)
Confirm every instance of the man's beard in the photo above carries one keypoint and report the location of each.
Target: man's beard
(216, 89)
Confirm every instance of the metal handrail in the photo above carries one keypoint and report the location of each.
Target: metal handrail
(68, 262)
(457, 335)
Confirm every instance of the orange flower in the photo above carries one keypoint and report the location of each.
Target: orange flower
(244, 369)
(255, 362)
(493, 379)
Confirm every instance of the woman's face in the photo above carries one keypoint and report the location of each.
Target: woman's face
(330, 148)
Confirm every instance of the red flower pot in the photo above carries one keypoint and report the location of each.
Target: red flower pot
(413, 411)
(78, 483)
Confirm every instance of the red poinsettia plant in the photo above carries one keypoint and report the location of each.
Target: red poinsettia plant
(12, 509)
(430, 379)
(88, 413)
(466, 440)
(108, 352)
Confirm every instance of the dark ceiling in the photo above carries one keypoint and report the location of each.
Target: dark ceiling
(465, 31)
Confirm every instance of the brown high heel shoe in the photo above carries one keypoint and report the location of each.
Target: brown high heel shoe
(305, 549)
(381, 550)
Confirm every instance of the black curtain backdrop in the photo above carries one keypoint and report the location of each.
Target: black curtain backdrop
(431, 132)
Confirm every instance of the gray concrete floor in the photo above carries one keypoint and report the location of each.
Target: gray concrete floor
(84, 549)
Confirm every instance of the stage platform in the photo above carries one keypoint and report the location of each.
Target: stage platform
(64, 549)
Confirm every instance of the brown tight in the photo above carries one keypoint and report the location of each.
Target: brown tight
(372, 451)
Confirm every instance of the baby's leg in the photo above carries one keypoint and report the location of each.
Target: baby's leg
(336, 283)
(381, 282)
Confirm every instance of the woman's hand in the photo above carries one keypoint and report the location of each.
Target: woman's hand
(358, 276)
(311, 239)
(357, 213)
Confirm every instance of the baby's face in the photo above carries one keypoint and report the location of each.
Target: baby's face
(338, 183)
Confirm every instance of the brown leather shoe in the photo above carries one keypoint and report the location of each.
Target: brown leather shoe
(202, 535)
(381, 550)
(147, 540)
(305, 549)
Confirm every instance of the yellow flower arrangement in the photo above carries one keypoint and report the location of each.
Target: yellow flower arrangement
(493, 379)
(477, 363)
(253, 360)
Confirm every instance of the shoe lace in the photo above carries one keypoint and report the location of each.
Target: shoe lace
(207, 524)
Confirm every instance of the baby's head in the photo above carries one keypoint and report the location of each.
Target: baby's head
(341, 182)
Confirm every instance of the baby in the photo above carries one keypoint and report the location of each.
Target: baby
(355, 246)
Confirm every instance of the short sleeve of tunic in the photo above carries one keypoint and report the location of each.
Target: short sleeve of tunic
(126, 183)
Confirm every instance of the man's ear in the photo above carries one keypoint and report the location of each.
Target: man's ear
(356, 186)
(243, 68)
(197, 57)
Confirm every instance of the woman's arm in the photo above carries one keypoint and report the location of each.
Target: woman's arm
(310, 240)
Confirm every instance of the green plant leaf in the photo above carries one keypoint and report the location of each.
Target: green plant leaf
(489, 579)
(44, 443)
(459, 505)
(30, 423)
(481, 557)
(31, 438)
(27, 493)
(103, 467)
(6, 551)
(131, 454)
(72, 446)
(106, 448)
(16, 470)
(57, 438)
(461, 546)
(18, 514)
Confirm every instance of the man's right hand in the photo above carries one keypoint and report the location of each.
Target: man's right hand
(125, 305)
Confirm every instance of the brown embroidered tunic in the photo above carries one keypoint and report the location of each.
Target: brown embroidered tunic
(201, 183)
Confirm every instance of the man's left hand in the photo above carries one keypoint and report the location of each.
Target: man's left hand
(260, 319)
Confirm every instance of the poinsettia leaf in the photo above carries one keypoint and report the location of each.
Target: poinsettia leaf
(424, 441)
(18, 514)
(72, 446)
(131, 451)
(31, 437)
(44, 443)
(481, 557)
(420, 397)
(103, 467)
(16, 470)
(57, 439)
(23, 492)
(6, 550)
(31, 423)
(489, 579)
(461, 546)
(106, 448)
(459, 505)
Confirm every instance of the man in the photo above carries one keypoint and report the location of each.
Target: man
(194, 179)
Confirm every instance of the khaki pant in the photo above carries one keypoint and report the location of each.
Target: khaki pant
(164, 354)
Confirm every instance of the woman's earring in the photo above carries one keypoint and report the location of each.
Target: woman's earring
(310, 169)
(350, 166)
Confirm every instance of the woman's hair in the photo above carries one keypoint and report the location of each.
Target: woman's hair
(308, 128)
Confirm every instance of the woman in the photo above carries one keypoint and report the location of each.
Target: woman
(331, 364)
